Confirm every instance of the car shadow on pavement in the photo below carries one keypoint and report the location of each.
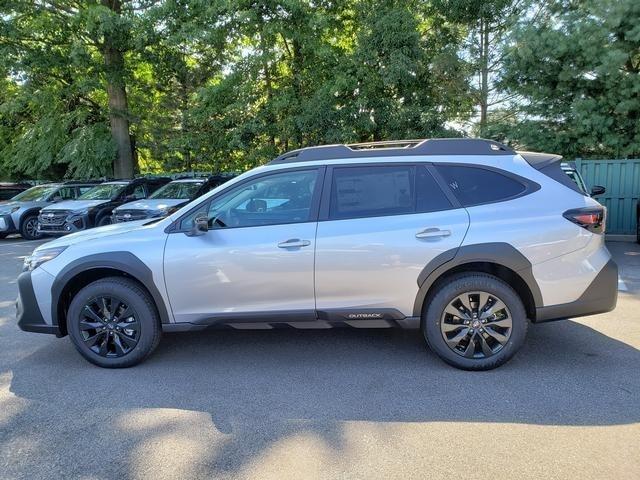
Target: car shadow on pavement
(263, 386)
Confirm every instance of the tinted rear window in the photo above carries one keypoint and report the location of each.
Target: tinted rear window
(384, 190)
(475, 186)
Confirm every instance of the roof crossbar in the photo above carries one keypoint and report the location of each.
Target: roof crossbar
(434, 146)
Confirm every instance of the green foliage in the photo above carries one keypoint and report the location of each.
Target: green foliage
(576, 70)
(226, 85)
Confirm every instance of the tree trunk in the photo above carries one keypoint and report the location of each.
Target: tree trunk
(123, 166)
(484, 74)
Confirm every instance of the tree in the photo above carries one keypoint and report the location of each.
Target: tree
(577, 70)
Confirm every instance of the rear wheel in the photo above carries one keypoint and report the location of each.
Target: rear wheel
(29, 228)
(475, 321)
(113, 323)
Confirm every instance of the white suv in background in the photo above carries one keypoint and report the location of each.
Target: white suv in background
(465, 239)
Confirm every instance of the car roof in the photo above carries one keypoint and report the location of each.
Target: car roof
(432, 146)
(189, 180)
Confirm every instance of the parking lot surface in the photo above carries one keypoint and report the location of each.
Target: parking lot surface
(325, 404)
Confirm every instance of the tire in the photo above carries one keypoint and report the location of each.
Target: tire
(102, 341)
(29, 228)
(104, 220)
(3, 236)
(488, 350)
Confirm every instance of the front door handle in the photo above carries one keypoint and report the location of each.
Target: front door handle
(294, 242)
(433, 233)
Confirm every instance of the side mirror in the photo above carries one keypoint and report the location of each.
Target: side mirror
(200, 227)
(597, 190)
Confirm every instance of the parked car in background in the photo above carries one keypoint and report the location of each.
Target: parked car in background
(20, 214)
(9, 190)
(570, 169)
(465, 239)
(94, 207)
(168, 198)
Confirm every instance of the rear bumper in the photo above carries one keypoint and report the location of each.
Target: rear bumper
(28, 312)
(600, 297)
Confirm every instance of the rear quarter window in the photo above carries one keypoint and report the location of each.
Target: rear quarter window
(476, 185)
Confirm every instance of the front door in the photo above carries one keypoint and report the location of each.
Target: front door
(383, 225)
(256, 261)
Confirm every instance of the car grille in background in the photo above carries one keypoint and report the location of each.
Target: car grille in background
(129, 215)
(55, 217)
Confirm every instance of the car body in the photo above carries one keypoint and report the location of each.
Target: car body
(20, 214)
(465, 239)
(8, 190)
(168, 198)
(94, 207)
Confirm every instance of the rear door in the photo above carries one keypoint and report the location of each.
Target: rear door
(380, 225)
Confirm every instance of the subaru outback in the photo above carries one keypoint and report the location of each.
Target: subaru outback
(93, 208)
(20, 214)
(465, 239)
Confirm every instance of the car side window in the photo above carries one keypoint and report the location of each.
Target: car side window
(274, 199)
(476, 185)
(429, 195)
(138, 192)
(64, 193)
(84, 189)
(372, 191)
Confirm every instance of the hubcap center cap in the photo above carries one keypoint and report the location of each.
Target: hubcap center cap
(475, 324)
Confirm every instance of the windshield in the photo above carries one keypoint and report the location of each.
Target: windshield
(36, 194)
(177, 190)
(106, 191)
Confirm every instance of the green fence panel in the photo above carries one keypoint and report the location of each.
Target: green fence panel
(621, 178)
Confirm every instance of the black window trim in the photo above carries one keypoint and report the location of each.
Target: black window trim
(529, 185)
(174, 227)
(325, 205)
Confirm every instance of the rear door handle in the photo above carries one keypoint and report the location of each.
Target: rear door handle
(433, 233)
(294, 242)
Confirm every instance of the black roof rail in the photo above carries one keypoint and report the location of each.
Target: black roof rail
(432, 146)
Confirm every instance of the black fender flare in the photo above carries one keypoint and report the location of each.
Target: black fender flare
(123, 261)
(32, 211)
(500, 253)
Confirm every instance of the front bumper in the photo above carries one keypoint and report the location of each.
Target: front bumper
(28, 312)
(601, 296)
(6, 224)
(72, 224)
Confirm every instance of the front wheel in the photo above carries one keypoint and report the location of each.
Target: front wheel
(474, 321)
(113, 323)
(29, 228)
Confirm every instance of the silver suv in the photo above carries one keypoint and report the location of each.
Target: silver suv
(20, 214)
(465, 239)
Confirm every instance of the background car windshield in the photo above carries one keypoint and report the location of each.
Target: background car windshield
(36, 194)
(105, 191)
(177, 190)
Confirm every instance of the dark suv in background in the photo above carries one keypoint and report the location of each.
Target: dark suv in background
(94, 207)
(20, 214)
(9, 190)
(169, 198)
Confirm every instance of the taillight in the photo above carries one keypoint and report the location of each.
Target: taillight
(591, 218)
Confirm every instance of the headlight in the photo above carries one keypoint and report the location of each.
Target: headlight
(80, 212)
(9, 211)
(158, 213)
(41, 256)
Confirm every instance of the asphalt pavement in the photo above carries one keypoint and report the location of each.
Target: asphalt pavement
(325, 404)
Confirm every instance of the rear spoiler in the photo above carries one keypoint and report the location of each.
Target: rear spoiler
(549, 164)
